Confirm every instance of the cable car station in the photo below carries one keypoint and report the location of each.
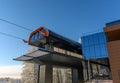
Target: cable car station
(87, 60)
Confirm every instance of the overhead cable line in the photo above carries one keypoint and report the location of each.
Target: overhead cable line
(5, 34)
(22, 27)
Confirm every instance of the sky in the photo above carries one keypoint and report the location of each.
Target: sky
(70, 18)
(13, 73)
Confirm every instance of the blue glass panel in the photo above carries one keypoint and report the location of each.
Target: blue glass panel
(92, 51)
(91, 42)
(97, 50)
(87, 52)
(83, 50)
(95, 39)
(102, 38)
(103, 50)
(85, 41)
(94, 46)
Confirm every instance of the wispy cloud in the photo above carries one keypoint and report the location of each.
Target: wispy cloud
(12, 71)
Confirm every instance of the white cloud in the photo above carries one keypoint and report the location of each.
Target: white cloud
(12, 71)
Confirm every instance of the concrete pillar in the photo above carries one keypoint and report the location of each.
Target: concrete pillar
(80, 75)
(46, 73)
(74, 75)
(38, 73)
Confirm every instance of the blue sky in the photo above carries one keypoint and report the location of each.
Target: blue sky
(70, 18)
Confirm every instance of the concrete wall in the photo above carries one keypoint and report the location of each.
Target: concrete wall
(113, 46)
(114, 58)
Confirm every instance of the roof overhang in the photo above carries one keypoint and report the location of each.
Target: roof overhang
(42, 56)
(51, 57)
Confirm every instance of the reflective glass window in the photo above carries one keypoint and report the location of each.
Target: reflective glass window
(92, 51)
(83, 41)
(102, 38)
(95, 39)
(94, 46)
(87, 52)
(86, 40)
(91, 42)
(83, 50)
(97, 50)
(103, 50)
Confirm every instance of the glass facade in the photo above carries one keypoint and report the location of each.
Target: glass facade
(94, 46)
